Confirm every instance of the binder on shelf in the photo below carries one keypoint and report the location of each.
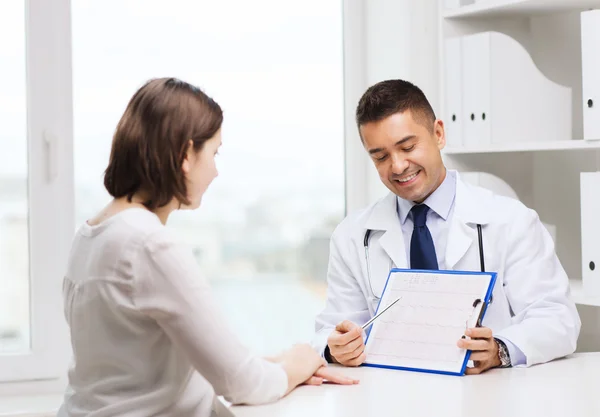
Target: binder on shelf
(505, 97)
(476, 89)
(590, 60)
(453, 98)
(590, 230)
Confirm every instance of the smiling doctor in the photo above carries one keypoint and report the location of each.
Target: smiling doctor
(433, 220)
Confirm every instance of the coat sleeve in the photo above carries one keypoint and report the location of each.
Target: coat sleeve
(345, 299)
(545, 325)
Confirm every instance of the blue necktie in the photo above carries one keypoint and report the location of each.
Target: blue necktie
(422, 250)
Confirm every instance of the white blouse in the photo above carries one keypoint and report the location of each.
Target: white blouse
(148, 337)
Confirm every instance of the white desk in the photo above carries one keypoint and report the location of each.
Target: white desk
(567, 387)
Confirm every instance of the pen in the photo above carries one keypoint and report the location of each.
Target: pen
(380, 313)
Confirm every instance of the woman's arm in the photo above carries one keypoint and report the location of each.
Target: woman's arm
(170, 289)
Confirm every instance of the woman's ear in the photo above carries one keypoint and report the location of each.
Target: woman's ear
(187, 163)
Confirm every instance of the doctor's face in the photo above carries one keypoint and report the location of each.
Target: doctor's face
(406, 154)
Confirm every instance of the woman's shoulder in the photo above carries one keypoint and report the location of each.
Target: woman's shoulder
(149, 232)
(146, 229)
(128, 233)
(133, 226)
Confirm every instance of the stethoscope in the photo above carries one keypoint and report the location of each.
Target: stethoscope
(366, 244)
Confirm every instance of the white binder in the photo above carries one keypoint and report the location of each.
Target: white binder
(453, 113)
(506, 97)
(590, 56)
(590, 231)
(477, 75)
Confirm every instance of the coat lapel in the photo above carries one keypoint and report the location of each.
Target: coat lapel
(384, 217)
(392, 243)
(460, 239)
(468, 213)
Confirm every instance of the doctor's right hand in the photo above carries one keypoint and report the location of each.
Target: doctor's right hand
(346, 344)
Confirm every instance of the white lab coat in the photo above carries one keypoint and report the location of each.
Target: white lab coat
(531, 307)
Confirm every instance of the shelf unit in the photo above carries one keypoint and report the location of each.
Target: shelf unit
(544, 174)
(579, 295)
(507, 8)
(559, 145)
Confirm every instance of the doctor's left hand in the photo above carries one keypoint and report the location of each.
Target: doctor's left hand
(484, 349)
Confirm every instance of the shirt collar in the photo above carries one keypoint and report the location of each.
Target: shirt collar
(440, 201)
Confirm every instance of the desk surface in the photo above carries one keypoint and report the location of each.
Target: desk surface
(566, 387)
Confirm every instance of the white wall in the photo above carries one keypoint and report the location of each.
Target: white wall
(400, 40)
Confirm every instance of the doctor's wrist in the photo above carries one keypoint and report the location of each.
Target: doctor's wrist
(503, 354)
(328, 356)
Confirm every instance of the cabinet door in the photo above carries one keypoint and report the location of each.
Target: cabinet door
(453, 111)
(590, 229)
(590, 47)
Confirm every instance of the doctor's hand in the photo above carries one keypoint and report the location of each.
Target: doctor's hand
(484, 349)
(346, 344)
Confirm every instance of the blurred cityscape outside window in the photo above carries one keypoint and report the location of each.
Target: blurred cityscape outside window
(262, 233)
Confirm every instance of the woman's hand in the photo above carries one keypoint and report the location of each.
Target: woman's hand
(305, 366)
(325, 374)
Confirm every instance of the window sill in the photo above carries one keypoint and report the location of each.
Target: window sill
(30, 406)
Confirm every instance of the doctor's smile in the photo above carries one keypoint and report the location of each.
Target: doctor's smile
(408, 179)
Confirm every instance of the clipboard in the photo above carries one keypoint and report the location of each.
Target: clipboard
(420, 332)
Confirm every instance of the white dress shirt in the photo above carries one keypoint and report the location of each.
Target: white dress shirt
(148, 337)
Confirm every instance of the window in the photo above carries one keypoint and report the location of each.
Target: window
(14, 231)
(36, 202)
(262, 234)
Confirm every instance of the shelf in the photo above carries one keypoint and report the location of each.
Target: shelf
(554, 145)
(493, 8)
(30, 406)
(579, 296)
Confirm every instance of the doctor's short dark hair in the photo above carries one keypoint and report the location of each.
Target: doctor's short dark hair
(152, 137)
(394, 96)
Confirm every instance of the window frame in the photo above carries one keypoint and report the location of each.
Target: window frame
(50, 189)
(358, 168)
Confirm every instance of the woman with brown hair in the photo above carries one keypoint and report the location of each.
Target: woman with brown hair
(147, 336)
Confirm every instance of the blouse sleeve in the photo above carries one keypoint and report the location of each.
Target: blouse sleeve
(171, 290)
